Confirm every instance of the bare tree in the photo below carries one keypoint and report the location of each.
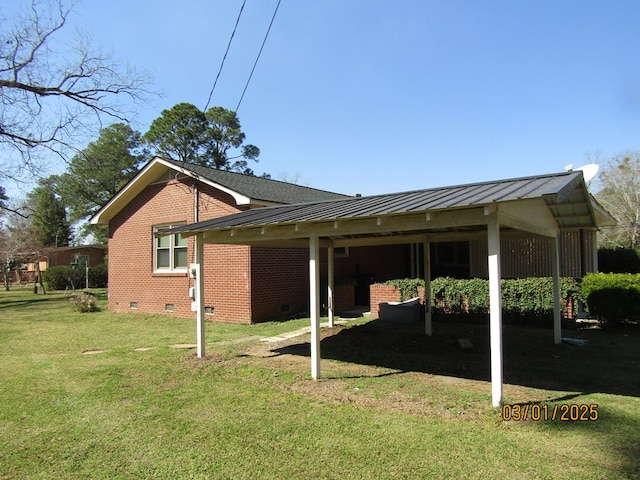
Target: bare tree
(15, 239)
(296, 178)
(620, 195)
(53, 93)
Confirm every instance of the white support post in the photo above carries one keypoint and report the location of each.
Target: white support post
(555, 272)
(330, 287)
(314, 304)
(199, 287)
(495, 307)
(427, 286)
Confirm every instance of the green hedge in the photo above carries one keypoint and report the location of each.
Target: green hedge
(59, 277)
(612, 297)
(98, 277)
(407, 287)
(525, 299)
(618, 260)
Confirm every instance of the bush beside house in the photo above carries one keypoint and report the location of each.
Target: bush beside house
(612, 298)
(60, 277)
(618, 260)
(524, 300)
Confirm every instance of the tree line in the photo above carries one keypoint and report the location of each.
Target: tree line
(55, 92)
(96, 173)
(52, 94)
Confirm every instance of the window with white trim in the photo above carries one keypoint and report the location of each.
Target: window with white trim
(169, 251)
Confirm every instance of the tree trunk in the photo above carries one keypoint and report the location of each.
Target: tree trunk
(5, 277)
(38, 279)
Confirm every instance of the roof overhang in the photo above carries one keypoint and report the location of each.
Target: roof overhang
(400, 218)
(413, 227)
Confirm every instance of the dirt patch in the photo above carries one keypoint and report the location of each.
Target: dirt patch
(343, 382)
(398, 368)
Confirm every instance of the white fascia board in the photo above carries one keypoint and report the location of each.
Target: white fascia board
(126, 193)
(238, 197)
(146, 176)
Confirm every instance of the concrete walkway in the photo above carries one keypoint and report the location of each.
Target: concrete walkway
(300, 331)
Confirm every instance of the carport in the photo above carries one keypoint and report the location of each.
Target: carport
(540, 205)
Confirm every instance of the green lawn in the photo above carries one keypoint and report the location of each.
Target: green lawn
(417, 408)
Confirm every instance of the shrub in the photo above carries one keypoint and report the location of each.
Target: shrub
(452, 295)
(84, 303)
(98, 276)
(407, 287)
(60, 277)
(523, 299)
(57, 278)
(612, 297)
(618, 260)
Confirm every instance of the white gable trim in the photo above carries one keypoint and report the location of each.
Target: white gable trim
(146, 176)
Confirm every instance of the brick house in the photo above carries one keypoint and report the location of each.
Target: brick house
(250, 265)
(250, 283)
(246, 284)
(85, 255)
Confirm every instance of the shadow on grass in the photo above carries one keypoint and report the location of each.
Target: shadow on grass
(608, 364)
(38, 300)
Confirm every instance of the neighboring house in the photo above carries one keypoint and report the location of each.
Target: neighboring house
(85, 255)
(249, 283)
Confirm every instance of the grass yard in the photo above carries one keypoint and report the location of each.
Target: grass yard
(100, 395)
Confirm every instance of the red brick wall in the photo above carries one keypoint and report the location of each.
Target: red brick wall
(344, 298)
(279, 282)
(131, 277)
(242, 284)
(381, 293)
(384, 262)
(228, 283)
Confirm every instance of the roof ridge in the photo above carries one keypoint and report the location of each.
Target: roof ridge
(216, 171)
(473, 184)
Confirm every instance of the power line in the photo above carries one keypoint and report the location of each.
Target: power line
(225, 55)
(258, 57)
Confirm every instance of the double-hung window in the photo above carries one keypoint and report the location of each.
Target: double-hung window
(169, 251)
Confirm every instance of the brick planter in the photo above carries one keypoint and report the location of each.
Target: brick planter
(381, 293)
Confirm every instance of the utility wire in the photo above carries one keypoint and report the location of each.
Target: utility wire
(225, 55)
(258, 57)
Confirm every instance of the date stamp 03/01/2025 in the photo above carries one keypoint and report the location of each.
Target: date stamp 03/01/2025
(541, 412)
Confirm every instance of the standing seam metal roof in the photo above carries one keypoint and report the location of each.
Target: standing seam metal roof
(459, 196)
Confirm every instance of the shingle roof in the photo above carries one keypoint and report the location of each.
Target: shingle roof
(259, 188)
(246, 190)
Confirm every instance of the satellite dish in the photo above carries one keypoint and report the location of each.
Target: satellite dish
(589, 171)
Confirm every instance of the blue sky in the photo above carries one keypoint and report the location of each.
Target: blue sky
(365, 96)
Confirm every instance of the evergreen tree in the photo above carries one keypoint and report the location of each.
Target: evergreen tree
(97, 173)
(213, 138)
(49, 224)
